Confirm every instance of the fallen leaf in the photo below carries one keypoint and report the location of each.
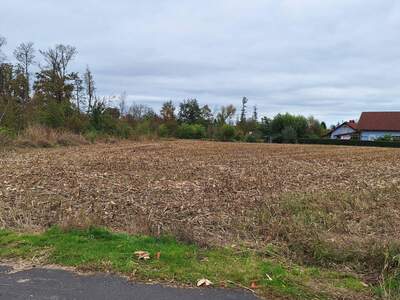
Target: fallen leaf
(158, 255)
(144, 255)
(204, 282)
(253, 285)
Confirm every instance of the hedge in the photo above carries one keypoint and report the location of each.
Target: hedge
(350, 143)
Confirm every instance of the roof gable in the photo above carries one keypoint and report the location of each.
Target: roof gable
(350, 124)
(382, 121)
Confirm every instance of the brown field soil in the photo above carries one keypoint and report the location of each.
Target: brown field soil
(322, 204)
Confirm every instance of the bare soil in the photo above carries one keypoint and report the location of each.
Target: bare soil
(321, 201)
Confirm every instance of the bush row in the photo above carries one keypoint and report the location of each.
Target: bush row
(350, 143)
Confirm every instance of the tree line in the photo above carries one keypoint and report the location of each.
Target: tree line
(57, 97)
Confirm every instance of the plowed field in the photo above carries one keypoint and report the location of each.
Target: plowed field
(211, 193)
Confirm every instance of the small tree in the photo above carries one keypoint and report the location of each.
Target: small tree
(282, 121)
(243, 111)
(226, 114)
(227, 133)
(90, 88)
(25, 55)
(255, 114)
(168, 111)
(265, 128)
(207, 116)
(78, 90)
(139, 112)
(168, 117)
(190, 112)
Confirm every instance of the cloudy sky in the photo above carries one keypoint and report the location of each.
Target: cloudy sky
(329, 58)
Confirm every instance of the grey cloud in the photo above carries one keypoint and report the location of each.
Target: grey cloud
(331, 58)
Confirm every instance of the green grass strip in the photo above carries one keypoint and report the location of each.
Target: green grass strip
(99, 250)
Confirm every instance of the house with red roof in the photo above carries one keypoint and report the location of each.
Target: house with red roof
(344, 131)
(375, 125)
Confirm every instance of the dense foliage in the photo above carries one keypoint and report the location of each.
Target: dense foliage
(58, 98)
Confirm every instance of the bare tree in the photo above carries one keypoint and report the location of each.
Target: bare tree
(67, 53)
(90, 87)
(78, 90)
(58, 58)
(140, 112)
(226, 114)
(25, 55)
(53, 80)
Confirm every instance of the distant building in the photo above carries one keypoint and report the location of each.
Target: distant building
(345, 131)
(374, 125)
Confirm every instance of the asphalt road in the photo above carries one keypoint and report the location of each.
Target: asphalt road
(49, 284)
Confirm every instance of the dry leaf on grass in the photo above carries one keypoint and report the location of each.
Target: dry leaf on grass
(142, 255)
(253, 285)
(204, 282)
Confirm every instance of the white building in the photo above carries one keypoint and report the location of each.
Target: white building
(374, 125)
(344, 131)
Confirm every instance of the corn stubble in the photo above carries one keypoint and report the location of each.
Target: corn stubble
(322, 204)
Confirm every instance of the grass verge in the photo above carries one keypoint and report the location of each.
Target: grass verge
(96, 249)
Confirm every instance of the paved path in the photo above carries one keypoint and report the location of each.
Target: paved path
(49, 284)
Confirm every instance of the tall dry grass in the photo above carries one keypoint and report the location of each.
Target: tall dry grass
(37, 136)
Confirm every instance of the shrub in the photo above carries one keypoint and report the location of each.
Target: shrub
(37, 136)
(250, 138)
(143, 129)
(289, 135)
(195, 131)
(349, 143)
(7, 132)
(66, 138)
(6, 136)
(91, 136)
(282, 122)
(55, 114)
(123, 130)
(226, 133)
(163, 131)
(77, 123)
(385, 138)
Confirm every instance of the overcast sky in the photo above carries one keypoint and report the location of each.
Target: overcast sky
(329, 58)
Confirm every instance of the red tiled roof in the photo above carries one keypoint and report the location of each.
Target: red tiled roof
(352, 125)
(375, 121)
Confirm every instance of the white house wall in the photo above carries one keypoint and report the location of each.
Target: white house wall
(342, 131)
(373, 135)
